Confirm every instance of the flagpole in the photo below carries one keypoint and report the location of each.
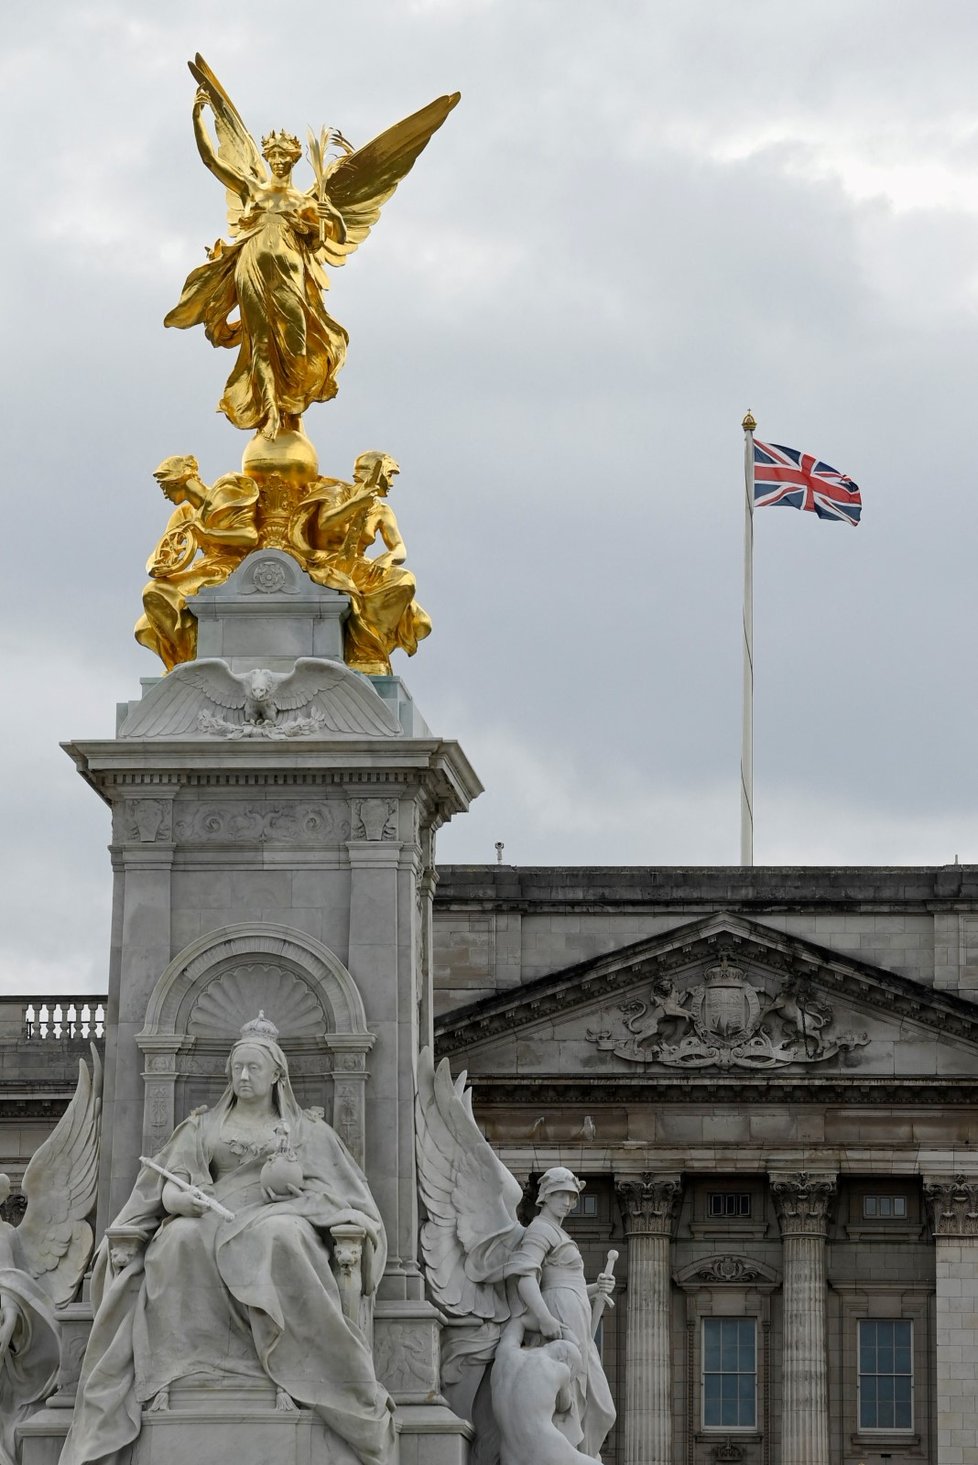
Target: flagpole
(747, 726)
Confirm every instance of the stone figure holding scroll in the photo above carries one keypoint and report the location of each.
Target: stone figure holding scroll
(483, 1265)
(254, 1297)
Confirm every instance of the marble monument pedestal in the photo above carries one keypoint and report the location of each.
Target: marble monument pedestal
(283, 862)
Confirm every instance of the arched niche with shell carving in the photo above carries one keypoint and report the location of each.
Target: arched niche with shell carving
(221, 981)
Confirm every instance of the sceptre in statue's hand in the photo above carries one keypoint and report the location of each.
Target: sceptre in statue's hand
(198, 1196)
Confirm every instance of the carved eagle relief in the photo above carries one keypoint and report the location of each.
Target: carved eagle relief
(316, 698)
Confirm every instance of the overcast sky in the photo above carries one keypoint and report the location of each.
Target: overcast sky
(642, 219)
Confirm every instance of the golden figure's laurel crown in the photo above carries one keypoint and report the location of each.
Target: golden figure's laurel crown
(286, 141)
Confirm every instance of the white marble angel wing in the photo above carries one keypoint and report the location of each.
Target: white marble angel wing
(470, 1196)
(60, 1184)
(216, 680)
(347, 702)
(343, 702)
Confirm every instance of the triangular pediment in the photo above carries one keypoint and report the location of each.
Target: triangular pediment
(722, 997)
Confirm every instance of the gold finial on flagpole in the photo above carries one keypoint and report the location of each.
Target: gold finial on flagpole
(749, 423)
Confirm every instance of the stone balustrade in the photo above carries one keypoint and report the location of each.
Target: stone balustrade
(44, 1019)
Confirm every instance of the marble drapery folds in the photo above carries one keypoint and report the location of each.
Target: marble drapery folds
(253, 1296)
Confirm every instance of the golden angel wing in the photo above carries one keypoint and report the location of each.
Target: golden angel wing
(235, 145)
(360, 184)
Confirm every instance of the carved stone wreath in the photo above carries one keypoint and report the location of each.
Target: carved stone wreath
(728, 1270)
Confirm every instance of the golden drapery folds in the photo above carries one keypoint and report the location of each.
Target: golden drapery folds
(335, 524)
(209, 533)
(330, 529)
(289, 348)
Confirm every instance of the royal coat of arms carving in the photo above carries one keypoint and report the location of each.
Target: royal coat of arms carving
(725, 1022)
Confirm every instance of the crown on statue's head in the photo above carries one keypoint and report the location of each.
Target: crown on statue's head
(259, 1027)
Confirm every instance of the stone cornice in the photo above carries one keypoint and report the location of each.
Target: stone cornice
(649, 1204)
(758, 888)
(434, 766)
(589, 1091)
(802, 1200)
(952, 1201)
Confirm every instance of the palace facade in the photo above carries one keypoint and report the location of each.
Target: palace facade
(768, 1079)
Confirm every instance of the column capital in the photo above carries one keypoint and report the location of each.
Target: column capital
(649, 1203)
(952, 1201)
(802, 1200)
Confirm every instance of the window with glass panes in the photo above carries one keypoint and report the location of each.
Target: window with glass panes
(728, 1203)
(885, 1207)
(885, 1373)
(729, 1373)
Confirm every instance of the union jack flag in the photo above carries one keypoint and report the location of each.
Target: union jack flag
(785, 476)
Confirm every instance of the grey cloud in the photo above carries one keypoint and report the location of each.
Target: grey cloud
(556, 327)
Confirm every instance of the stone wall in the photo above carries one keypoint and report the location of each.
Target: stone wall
(500, 926)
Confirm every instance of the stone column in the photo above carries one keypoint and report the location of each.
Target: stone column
(953, 1204)
(802, 1202)
(649, 1205)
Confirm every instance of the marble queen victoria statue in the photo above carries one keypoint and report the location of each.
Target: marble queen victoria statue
(182, 1291)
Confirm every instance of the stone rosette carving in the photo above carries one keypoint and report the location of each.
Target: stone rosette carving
(803, 1202)
(268, 577)
(650, 1204)
(952, 1201)
(725, 1022)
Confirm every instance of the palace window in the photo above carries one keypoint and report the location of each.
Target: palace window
(587, 1205)
(729, 1373)
(728, 1203)
(885, 1373)
(884, 1207)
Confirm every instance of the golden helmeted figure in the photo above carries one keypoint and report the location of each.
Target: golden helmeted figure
(262, 295)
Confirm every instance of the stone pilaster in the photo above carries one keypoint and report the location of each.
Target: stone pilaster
(953, 1204)
(802, 1202)
(649, 1205)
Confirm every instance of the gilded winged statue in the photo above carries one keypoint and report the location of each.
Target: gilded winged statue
(43, 1260)
(535, 1383)
(271, 273)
